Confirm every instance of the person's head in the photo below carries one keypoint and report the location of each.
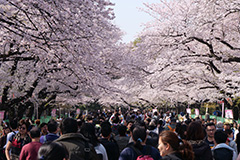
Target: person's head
(88, 130)
(37, 122)
(122, 130)
(169, 142)
(195, 131)
(89, 118)
(23, 127)
(53, 151)
(219, 125)
(129, 124)
(106, 129)
(229, 132)
(43, 127)
(220, 137)
(210, 129)
(182, 131)
(52, 126)
(139, 136)
(227, 126)
(14, 123)
(35, 133)
(6, 129)
(69, 125)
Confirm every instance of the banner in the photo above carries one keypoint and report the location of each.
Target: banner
(2, 115)
(228, 113)
(53, 113)
(188, 110)
(196, 112)
(222, 109)
(78, 111)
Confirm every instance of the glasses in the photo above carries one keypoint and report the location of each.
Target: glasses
(22, 128)
(210, 130)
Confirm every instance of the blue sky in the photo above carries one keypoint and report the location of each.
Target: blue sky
(130, 18)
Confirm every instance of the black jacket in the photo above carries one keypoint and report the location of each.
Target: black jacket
(111, 147)
(172, 156)
(201, 150)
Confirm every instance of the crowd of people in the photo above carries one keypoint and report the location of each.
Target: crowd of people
(114, 135)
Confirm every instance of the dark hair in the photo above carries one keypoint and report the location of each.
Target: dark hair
(210, 124)
(52, 151)
(89, 117)
(139, 135)
(14, 123)
(180, 146)
(35, 132)
(122, 130)
(52, 126)
(69, 125)
(88, 130)
(115, 119)
(22, 122)
(181, 129)
(106, 129)
(195, 131)
(228, 131)
(220, 136)
(42, 124)
(130, 121)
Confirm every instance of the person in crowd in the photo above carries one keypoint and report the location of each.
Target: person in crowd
(122, 138)
(30, 150)
(226, 126)
(172, 125)
(53, 151)
(17, 141)
(139, 147)
(222, 151)
(76, 144)
(181, 130)
(3, 140)
(129, 125)
(89, 118)
(173, 148)
(235, 130)
(238, 141)
(195, 136)
(114, 115)
(153, 133)
(88, 131)
(14, 128)
(37, 122)
(115, 124)
(210, 130)
(43, 128)
(52, 132)
(219, 125)
(231, 142)
(108, 141)
(160, 126)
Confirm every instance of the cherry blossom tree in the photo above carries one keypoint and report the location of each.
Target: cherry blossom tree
(54, 50)
(192, 47)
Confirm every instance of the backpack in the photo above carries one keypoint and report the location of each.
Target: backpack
(142, 156)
